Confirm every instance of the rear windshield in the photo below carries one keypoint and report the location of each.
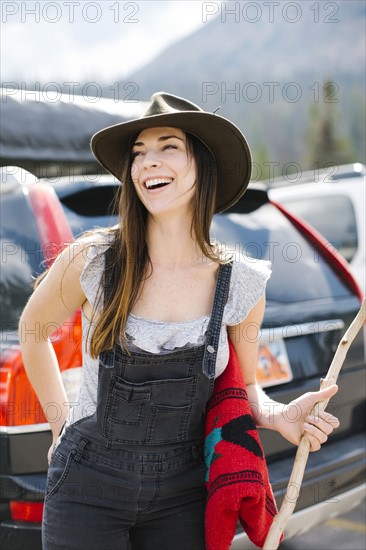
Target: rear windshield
(299, 273)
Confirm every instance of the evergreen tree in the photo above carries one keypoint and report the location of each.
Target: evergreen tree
(325, 147)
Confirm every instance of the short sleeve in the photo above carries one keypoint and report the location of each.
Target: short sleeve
(248, 283)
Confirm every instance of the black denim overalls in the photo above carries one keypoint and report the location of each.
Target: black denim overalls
(132, 474)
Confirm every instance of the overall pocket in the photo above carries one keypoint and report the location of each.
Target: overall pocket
(168, 423)
(127, 404)
(58, 471)
(126, 411)
(155, 411)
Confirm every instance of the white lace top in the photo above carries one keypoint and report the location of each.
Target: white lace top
(247, 285)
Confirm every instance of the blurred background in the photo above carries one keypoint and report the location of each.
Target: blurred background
(291, 75)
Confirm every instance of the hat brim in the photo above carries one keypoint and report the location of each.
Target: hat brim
(222, 137)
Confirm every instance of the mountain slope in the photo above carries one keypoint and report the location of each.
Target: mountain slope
(266, 76)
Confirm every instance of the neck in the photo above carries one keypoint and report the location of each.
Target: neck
(171, 245)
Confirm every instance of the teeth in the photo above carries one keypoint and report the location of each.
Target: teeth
(157, 182)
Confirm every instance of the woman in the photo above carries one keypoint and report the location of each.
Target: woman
(159, 302)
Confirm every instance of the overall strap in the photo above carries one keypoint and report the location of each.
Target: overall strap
(106, 357)
(214, 327)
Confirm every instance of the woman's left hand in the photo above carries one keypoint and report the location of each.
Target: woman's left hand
(295, 419)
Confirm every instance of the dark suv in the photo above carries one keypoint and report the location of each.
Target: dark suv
(311, 299)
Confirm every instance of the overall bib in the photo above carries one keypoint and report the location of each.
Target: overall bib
(132, 474)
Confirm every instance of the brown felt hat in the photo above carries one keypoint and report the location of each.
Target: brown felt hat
(225, 141)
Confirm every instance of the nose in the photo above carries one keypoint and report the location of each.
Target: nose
(151, 159)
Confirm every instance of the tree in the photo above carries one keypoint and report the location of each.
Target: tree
(325, 147)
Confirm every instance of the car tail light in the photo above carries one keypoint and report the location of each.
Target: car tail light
(322, 246)
(21, 510)
(19, 403)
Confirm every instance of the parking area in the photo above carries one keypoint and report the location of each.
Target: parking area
(347, 532)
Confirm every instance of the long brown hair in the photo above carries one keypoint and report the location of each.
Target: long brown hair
(131, 264)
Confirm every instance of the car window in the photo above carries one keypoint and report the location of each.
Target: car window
(299, 272)
(21, 257)
(333, 216)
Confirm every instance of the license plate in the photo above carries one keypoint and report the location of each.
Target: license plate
(273, 364)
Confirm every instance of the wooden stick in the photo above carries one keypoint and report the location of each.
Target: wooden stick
(297, 474)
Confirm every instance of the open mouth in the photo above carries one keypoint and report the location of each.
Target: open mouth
(157, 183)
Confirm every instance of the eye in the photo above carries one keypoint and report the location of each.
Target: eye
(170, 146)
(134, 154)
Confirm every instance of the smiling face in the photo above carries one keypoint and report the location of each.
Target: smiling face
(163, 171)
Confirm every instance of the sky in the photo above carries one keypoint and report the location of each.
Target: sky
(85, 41)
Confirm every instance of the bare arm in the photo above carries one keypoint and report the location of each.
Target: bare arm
(53, 301)
(268, 413)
